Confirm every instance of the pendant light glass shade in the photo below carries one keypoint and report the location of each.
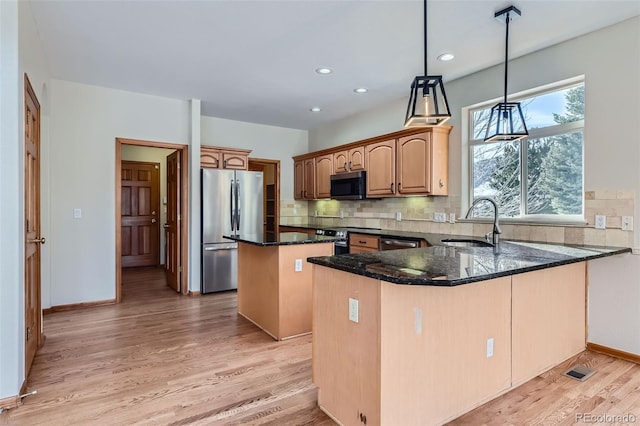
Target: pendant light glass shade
(428, 105)
(506, 121)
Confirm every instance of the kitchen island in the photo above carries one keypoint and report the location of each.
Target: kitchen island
(274, 280)
(421, 336)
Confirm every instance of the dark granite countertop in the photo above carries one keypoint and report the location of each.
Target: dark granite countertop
(281, 239)
(443, 265)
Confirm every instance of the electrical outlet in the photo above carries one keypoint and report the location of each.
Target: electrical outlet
(490, 347)
(315, 213)
(439, 217)
(601, 221)
(298, 266)
(452, 218)
(353, 310)
(627, 223)
(77, 213)
(341, 214)
(417, 320)
(398, 216)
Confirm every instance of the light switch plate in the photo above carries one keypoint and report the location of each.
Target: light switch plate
(298, 267)
(601, 221)
(77, 213)
(439, 217)
(398, 216)
(353, 310)
(490, 347)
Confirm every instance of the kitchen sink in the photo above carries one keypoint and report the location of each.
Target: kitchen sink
(465, 242)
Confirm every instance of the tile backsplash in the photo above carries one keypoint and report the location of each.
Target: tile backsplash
(417, 214)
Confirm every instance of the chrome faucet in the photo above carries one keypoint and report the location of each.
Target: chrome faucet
(496, 221)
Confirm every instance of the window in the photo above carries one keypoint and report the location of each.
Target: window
(539, 177)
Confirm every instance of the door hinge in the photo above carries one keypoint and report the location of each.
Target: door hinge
(28, 333)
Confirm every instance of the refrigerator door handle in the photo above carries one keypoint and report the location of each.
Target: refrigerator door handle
(232, 215)
(238, 205)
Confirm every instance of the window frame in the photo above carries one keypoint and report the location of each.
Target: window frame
(534, 133)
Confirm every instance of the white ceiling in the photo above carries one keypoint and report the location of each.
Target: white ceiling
(255, 60)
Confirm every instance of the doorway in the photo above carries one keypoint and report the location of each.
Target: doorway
(270, 191)
(174, 241)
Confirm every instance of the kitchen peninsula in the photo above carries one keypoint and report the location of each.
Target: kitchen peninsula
(274, 280)
(421, 336)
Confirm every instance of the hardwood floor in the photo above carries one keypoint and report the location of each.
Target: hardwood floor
(159, 358)
(162, 358)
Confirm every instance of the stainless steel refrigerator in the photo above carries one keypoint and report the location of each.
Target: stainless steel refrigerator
(231, 204)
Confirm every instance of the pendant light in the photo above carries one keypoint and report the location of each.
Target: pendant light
(506, 121)
(428, 104)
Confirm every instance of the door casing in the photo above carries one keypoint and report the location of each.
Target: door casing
(184, 202)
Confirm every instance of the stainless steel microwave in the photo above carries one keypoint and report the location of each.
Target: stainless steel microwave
(349, 186)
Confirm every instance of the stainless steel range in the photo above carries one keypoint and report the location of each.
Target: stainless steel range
(341, 246)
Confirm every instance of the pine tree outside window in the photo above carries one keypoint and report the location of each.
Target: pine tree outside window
(539, 178)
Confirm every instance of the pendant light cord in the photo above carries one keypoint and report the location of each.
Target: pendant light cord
(425, 37)
(506, 58)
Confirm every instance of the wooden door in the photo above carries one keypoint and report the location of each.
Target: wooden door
(381, 168)
(356, 159)
(310, 179)
(33, 238)
(140, 213)
(414, 159)
(298, 180)
(324, 170)
(173, 234)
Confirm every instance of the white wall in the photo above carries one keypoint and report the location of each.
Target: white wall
(274, 143)
(610, 61)
(153, 155)
(85, 121)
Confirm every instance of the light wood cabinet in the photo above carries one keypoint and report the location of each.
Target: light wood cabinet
(349, 160)
(359, 243)
(404, 163)
(304, 179)
(224, 158)
(381, 169)
(324, 170)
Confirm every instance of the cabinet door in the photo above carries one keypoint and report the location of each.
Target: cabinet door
(310, 179)
(341, 162)
(234, 160)
(414, 170)
(324, 170)
(209, 158)
(298, 179)
(356, 159)
(381, 169)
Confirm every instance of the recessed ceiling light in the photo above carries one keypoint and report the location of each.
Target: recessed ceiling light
(361, 90)
(324, 70)
(446, 57)
(315, 109)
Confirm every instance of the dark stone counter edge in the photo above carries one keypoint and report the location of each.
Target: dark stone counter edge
(282, 243)
(451, 283)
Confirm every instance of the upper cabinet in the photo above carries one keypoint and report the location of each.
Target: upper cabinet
(404, 163)
(224, 158)
(324, 170)
(381, 169)
(304, 179)
(349, 160)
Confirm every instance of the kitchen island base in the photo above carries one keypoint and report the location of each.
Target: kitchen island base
(428, 354)
(271, 293)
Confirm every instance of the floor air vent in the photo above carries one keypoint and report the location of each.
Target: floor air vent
(579, 372)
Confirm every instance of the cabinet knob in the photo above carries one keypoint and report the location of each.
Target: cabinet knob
(441, 183)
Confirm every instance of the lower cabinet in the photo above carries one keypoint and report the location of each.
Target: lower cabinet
(359, 243)
(426, 354)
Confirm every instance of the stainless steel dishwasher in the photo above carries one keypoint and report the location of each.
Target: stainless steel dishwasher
(397, 244)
